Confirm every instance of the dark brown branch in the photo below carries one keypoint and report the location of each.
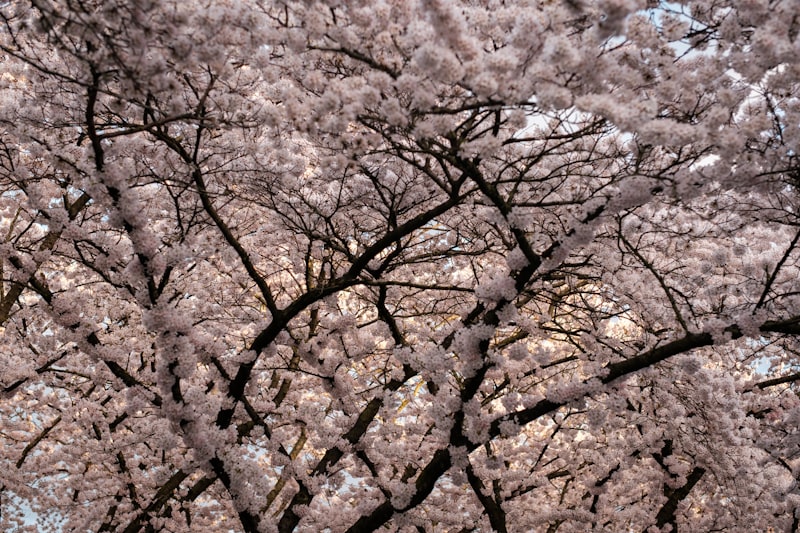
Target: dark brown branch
(791, 378)
(495, 512)
(31, 445)
(666, 515)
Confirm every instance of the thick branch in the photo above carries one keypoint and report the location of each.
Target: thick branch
(495, 512)
(31, 445)
(666, 515)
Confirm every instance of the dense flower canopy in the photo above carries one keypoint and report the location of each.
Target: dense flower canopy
(399, 265)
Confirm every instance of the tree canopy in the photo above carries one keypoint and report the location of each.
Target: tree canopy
(399, 265)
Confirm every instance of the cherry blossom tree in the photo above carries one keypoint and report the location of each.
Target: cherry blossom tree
(399, 265)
